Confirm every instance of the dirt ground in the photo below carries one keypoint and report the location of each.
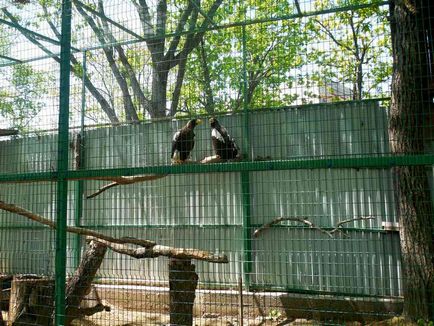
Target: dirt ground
(134, 306)
(120, 317)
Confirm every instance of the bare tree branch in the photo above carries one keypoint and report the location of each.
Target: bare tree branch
(105, 106)
(194, 40)
(179, 28)
(82, 231)
(309, 224)
(145, 17)
(49, 21)
(150, 248)
(125, 181)
(334, 39)
(130, 111)
(182, 62)
(135, 85)
(209, 97)
(159, 250)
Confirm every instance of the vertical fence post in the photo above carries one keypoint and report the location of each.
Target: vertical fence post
(78, 211)
(62, 163)
(245, 176)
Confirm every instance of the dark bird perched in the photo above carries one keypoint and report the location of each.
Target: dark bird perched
(183, 141)
(223, 144)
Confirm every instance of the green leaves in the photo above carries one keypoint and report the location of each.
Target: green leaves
(22, 100)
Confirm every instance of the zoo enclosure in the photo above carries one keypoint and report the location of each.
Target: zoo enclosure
(341, 149)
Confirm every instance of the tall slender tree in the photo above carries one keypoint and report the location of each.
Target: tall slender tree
(411, 131)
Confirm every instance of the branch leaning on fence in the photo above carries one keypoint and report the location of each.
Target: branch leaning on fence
(330, 233)
(124, 181)
(150, 250)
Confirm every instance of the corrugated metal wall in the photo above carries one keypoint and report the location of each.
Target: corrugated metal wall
(205, 211)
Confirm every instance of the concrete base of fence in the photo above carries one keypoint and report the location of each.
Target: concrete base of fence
(257, 305)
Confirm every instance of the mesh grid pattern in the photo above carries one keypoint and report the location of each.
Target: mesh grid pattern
(324, 217)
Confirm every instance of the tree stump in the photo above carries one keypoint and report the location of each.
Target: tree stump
(79, 285)
(2, 277)
(182, 283)
(31, 301)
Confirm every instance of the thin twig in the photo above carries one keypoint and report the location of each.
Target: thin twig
(308, 223)
(124, 180)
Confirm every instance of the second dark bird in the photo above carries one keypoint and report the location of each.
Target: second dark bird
(223, 144)
(183, 141)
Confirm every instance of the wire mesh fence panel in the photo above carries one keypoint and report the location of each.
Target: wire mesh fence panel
(216, 163)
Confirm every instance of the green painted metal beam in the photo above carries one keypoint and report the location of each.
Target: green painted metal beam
(28, 31)
(23, 29)
(355, 163)
(62, 164)
(204, 226)
(369, 162)
(9, 59)
(28, 177)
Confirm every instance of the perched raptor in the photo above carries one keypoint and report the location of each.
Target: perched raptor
(223, 144)
(183, 141)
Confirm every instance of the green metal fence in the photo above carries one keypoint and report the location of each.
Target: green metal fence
(325, 219)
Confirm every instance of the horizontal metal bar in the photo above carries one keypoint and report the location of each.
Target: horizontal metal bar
(244, 23)
(29, 177)
(10, 59)
(43, 57)
(190, 226)
(374, 162)
(28, 31)
(25, 227)
(139, 39)
(327, 163)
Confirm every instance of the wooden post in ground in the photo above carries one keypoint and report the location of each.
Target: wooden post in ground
(31, 301)
(2, 322)
(182, 283)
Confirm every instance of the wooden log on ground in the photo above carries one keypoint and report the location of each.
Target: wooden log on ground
(79, 285)
(182, 283)
(31, 301)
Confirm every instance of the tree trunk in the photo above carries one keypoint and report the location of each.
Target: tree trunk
(411, 107)
(80, 283)
(182, 283)
(209, 97)
(159, 86)
(178, 86)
